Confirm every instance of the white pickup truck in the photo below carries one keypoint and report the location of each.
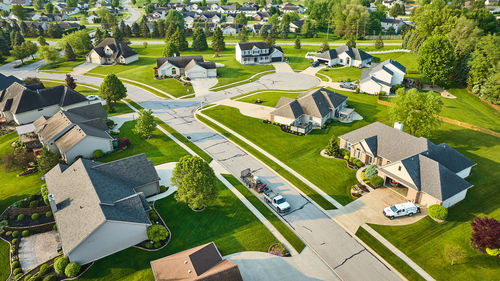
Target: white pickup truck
(403, 209)
(277, 201)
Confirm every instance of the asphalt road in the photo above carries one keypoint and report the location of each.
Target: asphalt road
(336, 247)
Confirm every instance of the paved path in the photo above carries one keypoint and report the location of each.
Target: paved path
(282, 67)
(312, 70)
(37, 249)
(201, 86)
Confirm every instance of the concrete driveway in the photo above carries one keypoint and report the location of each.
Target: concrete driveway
(201, 86)
(37, 249)
(368, 209)
(313, 70)
(83, 68)
(249, 109)
(282, 67)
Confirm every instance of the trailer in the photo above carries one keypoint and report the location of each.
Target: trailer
(252, 181)
(277, 201)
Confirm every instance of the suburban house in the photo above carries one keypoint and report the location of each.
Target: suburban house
(111, 51)
(189, 66)
(381, 77)
(4, 7)
(258, 52)
(310, 109)
(289, 8)
(76, 132)
(6, 81)
(200, 263)
(396, 24)
(24, 104)
(261, 16)
(231, 28)
(229, 9)
(248, 11)
(101, 208)
(295, 26)
(431, 174)
(344, 55)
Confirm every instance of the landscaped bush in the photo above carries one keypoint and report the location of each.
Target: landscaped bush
(25, 233)
(343, 152)
(279, 250)
(438, 212)
(14, 241)
(27, 277)
(20, 217)
(23, 203)
(17, 271)
(15, 233)
(371, 171)
(352, 159)
(33, 204)
(72, 269)
(153, 216)
(32, 197)
(377, 181)
(110, 123)
(15, 264)
(18, 276)
(49, 278)
(54, 227)
(359, 163)
(149, 245)
(98, 153)
(35, 278)
(346, 157)
(163, 188)
(35, 216)
(48, 214)
(157, 233)
(157, 244)
(8, 233)
(44, 269)
(123, 143)
(60, 264)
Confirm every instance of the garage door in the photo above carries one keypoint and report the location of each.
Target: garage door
(275, 59)
(323, 61)
(197, 74)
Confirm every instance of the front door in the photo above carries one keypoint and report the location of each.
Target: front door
(348, 61)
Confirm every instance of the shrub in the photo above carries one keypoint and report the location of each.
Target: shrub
(438, 212)
(352, 159)
(60, 264)
(23, 203)
(377, 181)
(20, 217)
(346, 157)
(343, 152)
(371, 171)
(359, 163)
(157, 244)
(48, 214)
(15, 264)
(15, 233)
(17, 271)
(8, 233)
(153, 216)
(54, 227)
(98, 153)
(110, 123)
(163, 188)
(157, 233)
(149, 245)
(44, 269)
(123, 143)
(27, 277)
(72, 269)
(14, 241)
(18, 276)
(32, 197)
(493, 252)
(25, 233)
(33, 204)
(357, 90)
(49, 278)
(35, 278)
(35, 216)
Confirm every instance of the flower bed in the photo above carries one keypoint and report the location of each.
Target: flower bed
(150, 245)
(47, 269)
(278, 249)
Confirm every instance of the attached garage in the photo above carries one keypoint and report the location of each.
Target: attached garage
(277, 54)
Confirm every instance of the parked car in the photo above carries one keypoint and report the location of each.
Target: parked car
(315, 64)
(399, 210)
(277, 201)
(348, 85)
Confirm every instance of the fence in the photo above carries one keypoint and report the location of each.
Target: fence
(385, 37)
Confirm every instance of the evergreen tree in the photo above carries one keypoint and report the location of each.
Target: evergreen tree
(155, 33)
(351, 42)
(41, 40)
(379, 44)
(270, 41)
(218, 44)
(4, 46)
(136, 29)
(207, 30)
(161, 29)
(243, 35)
(127, 31)
(68, 53)
(324, 46)
(199, 40)
(117, 33)
(170, 31)
(179, 39)
(98, 36)
(170, 50)
(144, 29)
(297, 43)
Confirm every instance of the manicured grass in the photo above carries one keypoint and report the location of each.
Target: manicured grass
(227, 222)
(61, 65)
(342, 73)
(289, 235)
(425, 240)
(27, 61)
(409, 61)
(320, 200)
(269, 98)
(4, 260)
(119, 108)
(134, 104)
(159, 148)
(234, 84)
(389, 256)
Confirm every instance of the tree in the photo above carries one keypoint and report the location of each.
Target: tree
(144, 29)
(68, 53)
(396, 10)
(49, 8)
(47, 160)
(199, 40)
(60, 264)
(170, 50)
(483, 66)
(180, 40)
(41, 40)
(436, 60)
(379, 44)
(145, 124)
(485, 233)
(19, 53)
(324, 46)
(117, 33)
(115, 3)
(240, 19)
(4, 46)
(112, 90)
(174, 19)
(484, 19)
(218, 44)
(454, 254)
(157, 233)
(270, 41)
(351, 42)
(71, 3)
(136, 30)
(333, 147)
(83, 20)
(18, 11)
(195, 181)
(70, 81)
(155, 33)
(30, 47)
(243, 35)
(38, 4)
(297, 43)
(418, 111)
(149, 8)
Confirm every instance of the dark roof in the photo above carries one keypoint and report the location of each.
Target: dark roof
(119, 48)
(6, 81)
(250, 45)
(449, 157)
(354, 53)
(18, 98)
(205, 258)
(180, 61)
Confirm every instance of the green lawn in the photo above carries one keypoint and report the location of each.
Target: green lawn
(342, 73)
(159, 148)
(269, 98)
(389, 256)
(424, 240)
(228, 223)
(61, 65)
(119, 108)
(289, 235)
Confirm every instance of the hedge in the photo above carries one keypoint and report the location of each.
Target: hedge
(35, 278)
(44, 269)
(60, 264)
(18, 276)
(149, 245)
(377, 181)
(27, 277)
(33, 204)
(14, 241)
(72, 269)
(438, 212)
(17, 271)
(15, 264)
(15, 233)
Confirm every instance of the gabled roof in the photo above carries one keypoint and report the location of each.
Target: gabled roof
(89, 193)
(203, 64)
(119, 48)
(291, 109)
(180, 61)
(6, 81)
(353, 53)
(18, 98)
(250, 45)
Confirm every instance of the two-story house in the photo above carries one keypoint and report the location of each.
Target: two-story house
(258, 53)
(111, 51)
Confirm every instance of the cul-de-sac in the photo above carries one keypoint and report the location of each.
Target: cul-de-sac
(249, 140)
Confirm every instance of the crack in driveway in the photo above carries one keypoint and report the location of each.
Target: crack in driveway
(352, 256)
(234, 156)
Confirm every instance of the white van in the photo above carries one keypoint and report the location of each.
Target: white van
(399, 210)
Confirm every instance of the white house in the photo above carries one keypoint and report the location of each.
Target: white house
(381, 77)
(231, 29)
(25, 104)
(111, 51)
(100, 208)
(396, 24)
(345, 55)
(76, 132)
(258, 53)
(189, 66)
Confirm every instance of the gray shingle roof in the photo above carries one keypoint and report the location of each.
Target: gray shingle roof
(119, 48)
(88, 193)
(250, 45)
(354, 53)
(6, 81)
(180, 61)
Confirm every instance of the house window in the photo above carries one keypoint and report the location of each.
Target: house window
(357, 153)
(174, 71)
(347, 145)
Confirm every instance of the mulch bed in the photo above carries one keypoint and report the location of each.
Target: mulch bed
(142, 245)
(27, 221)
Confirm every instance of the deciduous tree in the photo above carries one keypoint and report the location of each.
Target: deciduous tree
(436, 60)
(49, 53)
(70, 81)
(454, 254)
(112, 90)
(297, 43)
(485, 233)
(379, 44)
(145, 124)
(47, 160)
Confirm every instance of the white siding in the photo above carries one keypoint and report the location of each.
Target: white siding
(109, 238)
(86, 148)
(464, 173)
(31, 116)
(454, 199)
(197, 72)
(283, 120)
(370, 87)
(131, 59)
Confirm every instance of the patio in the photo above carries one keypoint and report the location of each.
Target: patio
(37, 249)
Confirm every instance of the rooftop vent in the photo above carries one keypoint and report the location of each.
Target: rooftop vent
(189, 271)
(185, 262)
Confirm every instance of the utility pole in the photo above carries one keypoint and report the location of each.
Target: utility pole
(357, 23)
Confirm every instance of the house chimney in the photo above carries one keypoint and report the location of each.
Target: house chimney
(52, 202)
(398, 125)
